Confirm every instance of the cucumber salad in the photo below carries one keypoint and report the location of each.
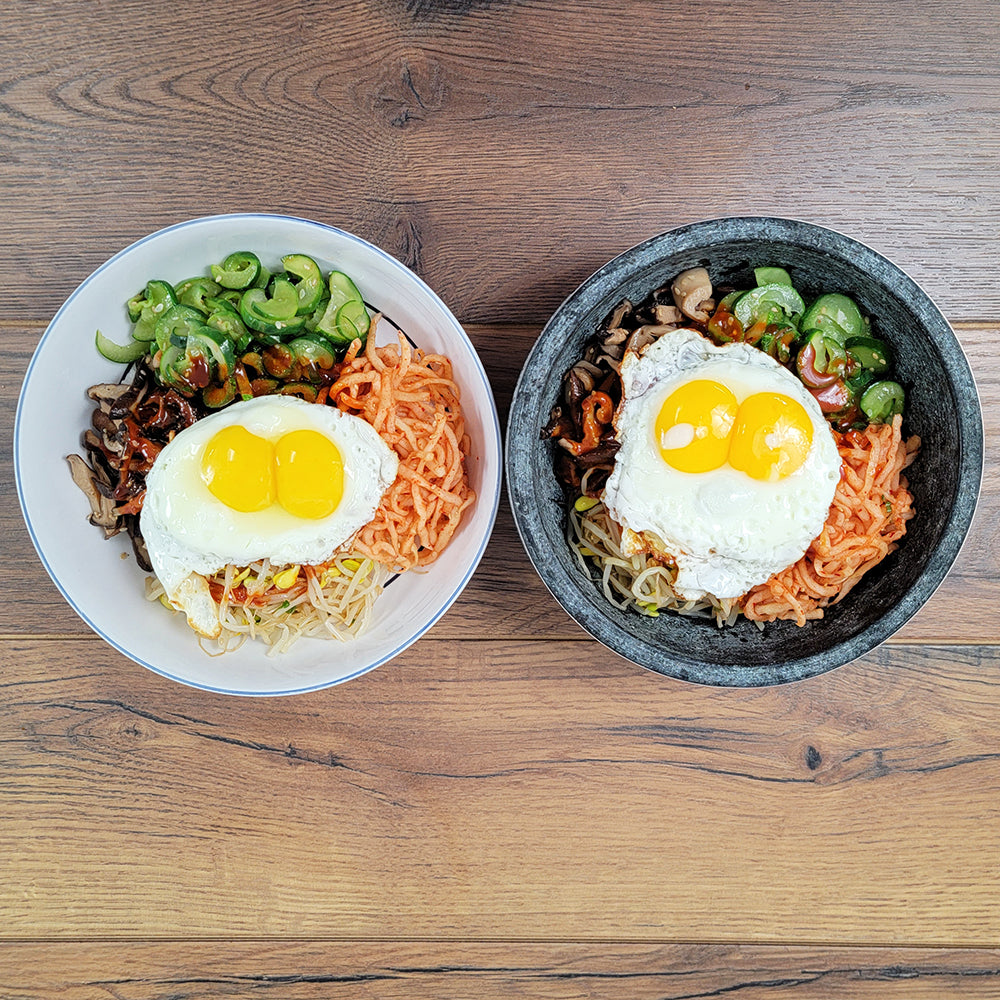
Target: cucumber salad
(242, 331)
(827, 341)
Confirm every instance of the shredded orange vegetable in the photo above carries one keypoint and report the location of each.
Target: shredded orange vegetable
(868, 516)
(597, 409)
(411, 399)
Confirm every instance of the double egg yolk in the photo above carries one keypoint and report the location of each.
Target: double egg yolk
(701, 427)
(302, 471)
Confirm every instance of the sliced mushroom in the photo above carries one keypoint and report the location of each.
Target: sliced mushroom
(587, 370)
(554, 426)
(102, 509)
(615, 335)
(619, 313)
(692, 291)
(645, 335)
(107, 392)
(130, 401)
(566, 470)
(639, 339)
(103, 423)
(102, 442)
(138, 544)
(573, 393)
(583, 374)
(667, 314)
(603, 454)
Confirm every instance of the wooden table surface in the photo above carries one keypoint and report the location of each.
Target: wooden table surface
(507, 809)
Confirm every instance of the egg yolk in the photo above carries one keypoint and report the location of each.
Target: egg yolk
(310, 474)
(700, 427)
(238, 469)
(772, 437)
(694, 425)
(303, 472)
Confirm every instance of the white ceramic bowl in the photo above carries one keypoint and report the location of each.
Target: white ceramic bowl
(105, 588)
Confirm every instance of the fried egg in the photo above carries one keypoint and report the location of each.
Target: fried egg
(727, 466)
(270, 478)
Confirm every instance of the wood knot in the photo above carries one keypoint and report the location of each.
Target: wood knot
(433, 10)
(813, 758)
(410, 92)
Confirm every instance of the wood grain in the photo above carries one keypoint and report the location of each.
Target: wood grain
(504, 150)
(506, 598)
(445, 971)
(504, 791)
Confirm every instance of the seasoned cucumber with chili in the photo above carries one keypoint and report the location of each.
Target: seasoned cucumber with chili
(274, 312)
(242, 329)
(148, 306)
(827, 341)
(772, 303)
(345, 317)
(821, 360)
(870, 353)
(204, 357)
(238, 270)
(882, 401)
(836, 315)
(123, 354)
(307, 280)
(194, 291)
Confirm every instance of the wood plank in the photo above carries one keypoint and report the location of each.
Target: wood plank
(455, 971)
(504, 791)
(506, 597)
(504, 152)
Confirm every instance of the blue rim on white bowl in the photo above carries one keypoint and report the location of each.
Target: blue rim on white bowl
(943, 408)
(101, 581)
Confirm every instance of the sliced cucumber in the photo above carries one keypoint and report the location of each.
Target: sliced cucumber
(836, 315)
(355, 314)
(239, 270)
(262, 279)
(860, 381)
(881, 401)
(224, 317)
(343, 289)
(193, 292)
(309, 284)
(830, 354)
(771, 276)
(120, 353)
(726, 302)
(345, 316)
(757, 303)
(313, 349)
(275, 316)
(871, 353)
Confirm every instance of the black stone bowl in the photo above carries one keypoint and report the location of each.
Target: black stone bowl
(942, 407)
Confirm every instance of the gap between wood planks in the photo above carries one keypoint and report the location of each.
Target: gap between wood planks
(568, 637)
(894, 946)
(41, 324)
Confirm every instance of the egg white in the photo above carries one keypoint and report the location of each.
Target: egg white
(726, 531)
(189, 533)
